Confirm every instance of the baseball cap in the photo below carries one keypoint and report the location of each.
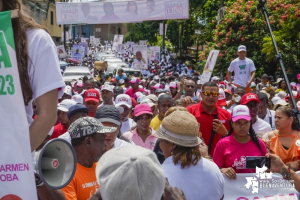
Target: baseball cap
(141, 98)
(279, 103)
(67, 91)
(198, 82)
(159, 90)
(275, 99)
(142, 109)
(295, 95)
(253, 84)
(134, 80)
(298, 76)
(123, 99)
(77, 108)
(136, 168)
(173, 85)
(240, 112)
(152, 97)
(215, 78)
(80, 83)
(242, 48)
(108, 113)
(156, 77)
(77, 98)
(279, 79)
(91, 95)
(249, 97)
(65, 105)
(147, 101)
(158, 86)
(281, 94)
(222, 98)
(265, 76)
(87, 126)
(227, 91)
(107, 87)
(137, 95)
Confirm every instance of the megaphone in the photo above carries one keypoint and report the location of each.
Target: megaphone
(56, 163)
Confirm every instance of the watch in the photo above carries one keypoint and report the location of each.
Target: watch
(38, 181)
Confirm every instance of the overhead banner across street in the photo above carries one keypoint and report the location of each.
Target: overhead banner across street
(16, 167)
(121, 11)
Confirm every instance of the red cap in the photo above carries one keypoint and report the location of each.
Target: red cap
(113, 80)
(249, 97)
(222, 83)
(153, 71)
(91, 95)
(228, 91)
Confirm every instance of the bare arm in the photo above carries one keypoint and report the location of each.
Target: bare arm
(229, 77)
(179, 94)
(252, 76)
(45, 193)
(46, 106)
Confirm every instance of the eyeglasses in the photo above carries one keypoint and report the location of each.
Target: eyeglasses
(91, 103)
(208, 93)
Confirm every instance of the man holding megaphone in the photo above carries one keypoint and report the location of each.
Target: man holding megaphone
(88, 141)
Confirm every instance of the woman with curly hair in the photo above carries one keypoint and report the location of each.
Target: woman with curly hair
(231, 152)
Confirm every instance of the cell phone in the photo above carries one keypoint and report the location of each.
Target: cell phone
(257, 161)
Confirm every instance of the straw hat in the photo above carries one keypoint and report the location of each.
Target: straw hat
(181, 128)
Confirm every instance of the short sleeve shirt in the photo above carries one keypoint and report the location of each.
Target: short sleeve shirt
(134, 137)
(205, 120)
(242, 70)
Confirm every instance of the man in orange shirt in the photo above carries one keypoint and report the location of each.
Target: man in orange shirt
(88, 141)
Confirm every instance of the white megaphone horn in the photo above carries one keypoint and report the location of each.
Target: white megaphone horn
(56, 163)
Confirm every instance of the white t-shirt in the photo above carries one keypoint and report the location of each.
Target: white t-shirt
(202, 182)
(119, 143)
(127, 125)
(66, 136)
(242, 70)
(261, 127)
(43, 67)
(270, 116)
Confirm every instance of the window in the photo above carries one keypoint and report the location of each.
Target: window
(51, 17)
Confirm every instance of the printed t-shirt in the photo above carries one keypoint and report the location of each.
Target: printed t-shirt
(261, 127)
(83, 185)
(131, 92)
(134, 137)
(205, 120)
(58, 130)
(155, 123)
(230, 153)
(242, 70)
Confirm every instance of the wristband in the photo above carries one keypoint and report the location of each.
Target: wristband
(286, 175)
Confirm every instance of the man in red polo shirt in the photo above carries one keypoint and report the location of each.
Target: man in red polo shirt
(209, 115)
(91, 101)
(62, 115)
(134, 87)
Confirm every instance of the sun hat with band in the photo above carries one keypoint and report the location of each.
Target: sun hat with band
(181, 128)
(240, 112)
(130, 172)
(87, 126)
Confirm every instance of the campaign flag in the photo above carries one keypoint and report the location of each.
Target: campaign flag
(16, 166)
(209, 66)
(118, 11)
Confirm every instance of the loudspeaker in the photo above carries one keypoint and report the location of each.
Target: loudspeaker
(56, 163)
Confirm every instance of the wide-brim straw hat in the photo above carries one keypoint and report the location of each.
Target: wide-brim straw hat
(181, 128)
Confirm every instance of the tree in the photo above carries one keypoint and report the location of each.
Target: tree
(244, 24)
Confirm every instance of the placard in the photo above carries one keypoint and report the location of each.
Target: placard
(16, 166)
(118, 39)
(121, 11)
(140, 57)
(209, 66)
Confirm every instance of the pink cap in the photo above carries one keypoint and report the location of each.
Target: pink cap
(142, 109)
(173, 85)
(240, 112)
(158, 86)
(298, 76)
(134, 80)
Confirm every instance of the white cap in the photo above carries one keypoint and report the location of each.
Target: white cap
(215, 78)
(138, 94)
(275, 99)
(121, 81)
(242, 48)
(222, 95)
(240, 112)
(123, 99)
(156, 77)
(141, 98)
(281, 94)
(279, 79)
(148, 101)
(80, 83)
(77, 98)
(107, 87)
(68, 87)
(252, 84)
(198, 82)
(65, 105)
(138, 170)
(67, 91)
(173, 85)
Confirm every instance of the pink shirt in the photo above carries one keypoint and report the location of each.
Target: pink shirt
(134, 137)
(230, 153)
(130, 92)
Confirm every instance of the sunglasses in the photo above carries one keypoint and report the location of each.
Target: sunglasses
(91, 103)
(208, 93)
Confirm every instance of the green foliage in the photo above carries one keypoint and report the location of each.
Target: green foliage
(244, 24)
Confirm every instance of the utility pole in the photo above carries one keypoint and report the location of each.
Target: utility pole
(164, 35)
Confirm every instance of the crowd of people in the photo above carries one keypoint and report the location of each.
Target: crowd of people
(160, 135)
